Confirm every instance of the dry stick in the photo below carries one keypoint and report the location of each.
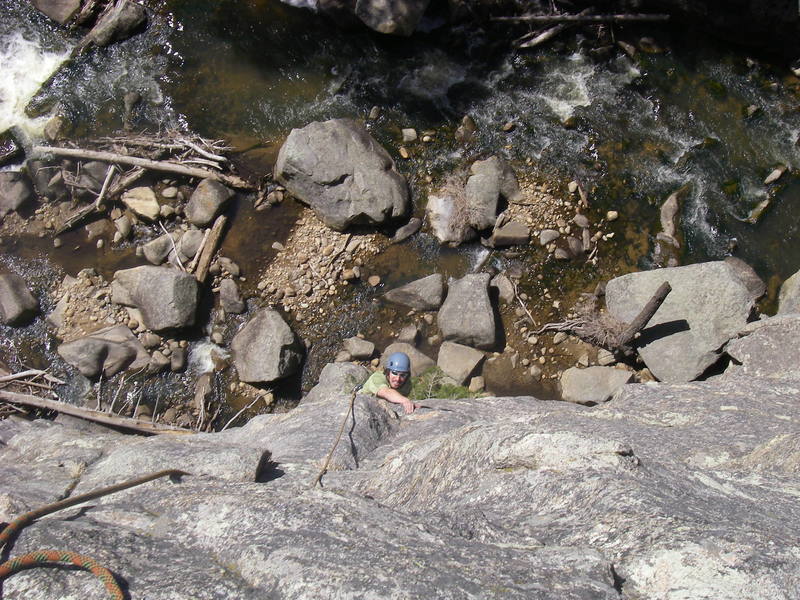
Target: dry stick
(154, 165)
(193, 263)
(29, 373)
(583, 18)
(338, 437)
(527, 42)
(174, 247)
(204, 262)
(521, 303)
(106, 182)
(645, 314)
(236, 416)
(89, 415)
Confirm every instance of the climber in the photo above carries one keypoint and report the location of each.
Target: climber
(393, 384)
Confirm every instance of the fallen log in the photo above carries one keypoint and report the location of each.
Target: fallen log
(103, 418)
(145, 163)
(210, 248)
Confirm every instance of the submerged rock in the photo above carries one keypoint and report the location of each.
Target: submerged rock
(342, 173)
(17, 305)
(398, 17)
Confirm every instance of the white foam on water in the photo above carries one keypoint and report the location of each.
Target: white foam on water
(25, 67)
(204, 355)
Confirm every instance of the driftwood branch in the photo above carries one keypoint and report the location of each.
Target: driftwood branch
(603, 330)
(90, 415)
(582, 18)
(209, 248)
(146, 163)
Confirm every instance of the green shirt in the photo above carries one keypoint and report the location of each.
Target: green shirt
(378, 380)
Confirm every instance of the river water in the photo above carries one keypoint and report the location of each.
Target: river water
(700, 114)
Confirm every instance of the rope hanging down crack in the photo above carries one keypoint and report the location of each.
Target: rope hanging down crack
(43, 557)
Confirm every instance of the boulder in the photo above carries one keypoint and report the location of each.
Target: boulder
(342, 173)
(189, 244)
(167, 298)
(490, 179)
(594, 385)
(15, 191)
(229, 297)
(358, 349)
(11, 149)
(467, 316)
(398, 17)
(504, 287)
(157, 250)
(789, 296)
(458, 361)
(124, 19)
(766, 348)
(61, 11)
(419, 361)
(423, 294)
(448, 220)
(207, 202)
(512, 233)
(17, 305)
(709, 304)
(266, 349)
(107, 351)
(143, 203)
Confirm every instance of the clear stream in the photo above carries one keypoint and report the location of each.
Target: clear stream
(633, 130)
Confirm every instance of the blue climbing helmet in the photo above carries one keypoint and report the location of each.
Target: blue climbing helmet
(399, 362)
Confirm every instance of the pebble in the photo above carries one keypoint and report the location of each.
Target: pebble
(278, 246)
(612, 215)
(403, 152)
(100, 244)
(374, 280)
(169, 192)
(374, 113)
(217, 338)
(409, 135)
(509, 126)
(57, 243)
(572, 187)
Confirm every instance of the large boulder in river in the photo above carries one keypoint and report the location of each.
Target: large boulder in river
(338, 169)
(266, 349)
(17, 305)
(15, 191)
(167, 298)
(107, 351)
(489, 180)
(423, 294)
(467, 316)
(709, 304)
(399, 17)
(61, 11)
(206, 202)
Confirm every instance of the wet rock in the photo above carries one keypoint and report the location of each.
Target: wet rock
(465, 132)
(121, 22)
(15, 191)
(467, 316)
(423, 294)
(177, 360)
(156, 251)
(107, 351)
(338, 169)
(512, 233)
(490, 179)
(458, 361)
(775, 174)
(408, 335)
(419, 361)
(399, 17)
(358, 349)
(17, 305)
(10, 148)
(593, 385)
(229, 297)
(47, 179)
(709, 304)
(548, 236)
(142, 202)
(61, 11)
(207, 202)
(575, 246)
(167, 298)
(406, 231)
(266, 349)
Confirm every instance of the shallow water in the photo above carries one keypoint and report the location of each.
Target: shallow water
(631, 130)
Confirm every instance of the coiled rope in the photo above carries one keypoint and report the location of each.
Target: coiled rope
(44, 557)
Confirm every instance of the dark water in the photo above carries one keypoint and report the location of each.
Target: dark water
(700, 114)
